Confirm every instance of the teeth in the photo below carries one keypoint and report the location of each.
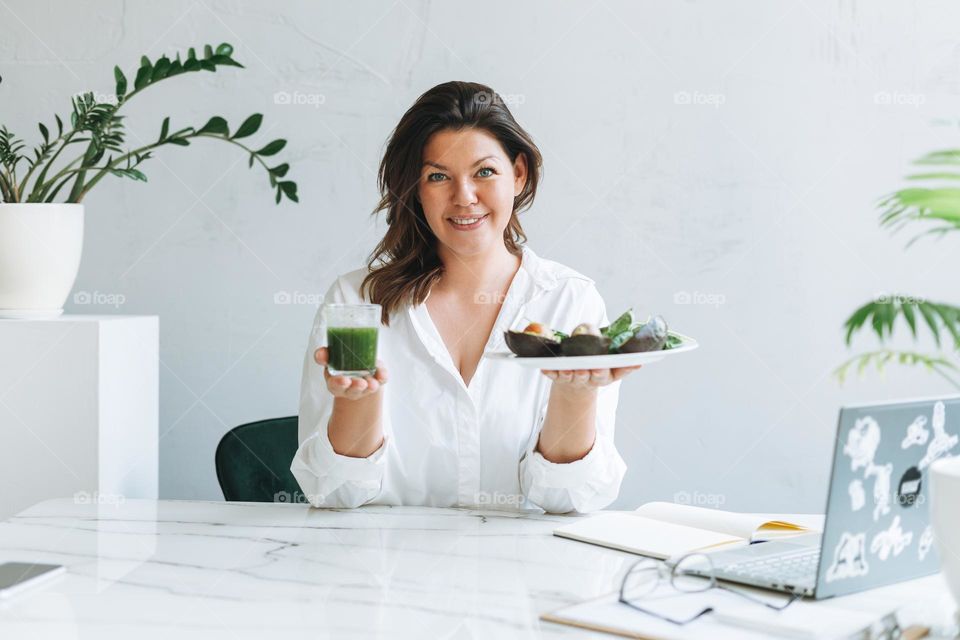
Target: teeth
(465, 221)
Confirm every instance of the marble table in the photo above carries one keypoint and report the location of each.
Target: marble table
(147, 568)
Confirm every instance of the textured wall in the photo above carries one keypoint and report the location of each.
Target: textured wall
(726, 153)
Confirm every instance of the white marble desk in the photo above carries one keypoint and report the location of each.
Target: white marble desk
(163, 569)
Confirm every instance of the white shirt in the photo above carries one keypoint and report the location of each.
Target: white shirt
(447, 444)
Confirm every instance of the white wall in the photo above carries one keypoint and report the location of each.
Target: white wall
(760, 193)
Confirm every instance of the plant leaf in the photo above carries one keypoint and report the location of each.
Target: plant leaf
(881, 358)
(215, 125)
(121, 82)
(289, 189)
(931, 321)
(272, 148)
(249, 126)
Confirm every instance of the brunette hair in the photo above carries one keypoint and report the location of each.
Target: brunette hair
(405, 264)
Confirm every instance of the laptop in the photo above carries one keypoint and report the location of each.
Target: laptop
(877, 528)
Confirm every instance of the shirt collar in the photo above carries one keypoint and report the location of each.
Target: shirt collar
(538, 269)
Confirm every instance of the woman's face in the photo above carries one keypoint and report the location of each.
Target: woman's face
(467, 175)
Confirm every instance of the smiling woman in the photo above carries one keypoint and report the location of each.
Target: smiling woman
(452, 274)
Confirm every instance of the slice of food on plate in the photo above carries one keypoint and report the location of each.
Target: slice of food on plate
(535, 341)
(623, 335)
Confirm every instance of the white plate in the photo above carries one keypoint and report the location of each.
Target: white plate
(606, 361)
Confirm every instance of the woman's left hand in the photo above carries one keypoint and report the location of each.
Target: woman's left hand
(588, 378)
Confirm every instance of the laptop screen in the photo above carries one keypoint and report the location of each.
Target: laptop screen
(877, 529)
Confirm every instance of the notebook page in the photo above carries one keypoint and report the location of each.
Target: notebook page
(741, 525)
(638, 534)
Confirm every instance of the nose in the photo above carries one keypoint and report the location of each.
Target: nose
(465, 194)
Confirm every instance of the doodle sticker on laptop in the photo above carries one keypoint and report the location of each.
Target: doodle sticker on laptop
(862, 442)
(893, 539)
(942, 442)
(917, 433)
(857, 496)
(926, 541)
(881, 488)
(849, 558)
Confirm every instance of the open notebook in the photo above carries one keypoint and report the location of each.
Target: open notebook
(732, 618)
(665, 529)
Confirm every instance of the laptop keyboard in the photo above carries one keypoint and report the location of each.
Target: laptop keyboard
(798, 568)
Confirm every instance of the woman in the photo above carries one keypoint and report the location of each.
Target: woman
(452, 428)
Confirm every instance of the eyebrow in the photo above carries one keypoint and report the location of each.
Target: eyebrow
(440, 166)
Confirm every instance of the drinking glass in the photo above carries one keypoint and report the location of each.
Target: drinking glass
(352, 331)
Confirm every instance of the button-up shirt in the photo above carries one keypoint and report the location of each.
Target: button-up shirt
(449, 444)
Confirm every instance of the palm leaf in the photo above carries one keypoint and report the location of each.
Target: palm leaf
(926, 204)
(880, 359)
(882, 314)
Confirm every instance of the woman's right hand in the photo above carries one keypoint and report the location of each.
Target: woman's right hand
(349, 387)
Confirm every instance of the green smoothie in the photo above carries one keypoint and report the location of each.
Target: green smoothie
(352, 350)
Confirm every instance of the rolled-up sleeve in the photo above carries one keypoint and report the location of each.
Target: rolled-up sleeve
(592, 482)
(327, 478)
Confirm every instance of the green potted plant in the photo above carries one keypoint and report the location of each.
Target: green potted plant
(42, 188)
(936, 204)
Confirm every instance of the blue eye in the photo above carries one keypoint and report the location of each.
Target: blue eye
(488, 169)
(430, 178)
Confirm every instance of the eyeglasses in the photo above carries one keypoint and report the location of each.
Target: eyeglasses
(692, 573)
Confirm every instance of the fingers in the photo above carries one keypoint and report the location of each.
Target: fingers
(588, 377)
(621, 372)
(349, 387)
(353, 388)
(381, 373)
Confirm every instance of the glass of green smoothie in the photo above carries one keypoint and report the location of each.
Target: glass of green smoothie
(352, 339)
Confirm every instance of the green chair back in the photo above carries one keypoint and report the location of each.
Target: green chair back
(253, 462)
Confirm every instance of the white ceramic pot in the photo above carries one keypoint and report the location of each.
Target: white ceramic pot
(945, 517)
(40, 247)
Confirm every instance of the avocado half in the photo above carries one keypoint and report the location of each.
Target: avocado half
(527, 345)
(652, 336)
(585, 345)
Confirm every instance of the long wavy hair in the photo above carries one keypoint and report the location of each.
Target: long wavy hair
(405, 263)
